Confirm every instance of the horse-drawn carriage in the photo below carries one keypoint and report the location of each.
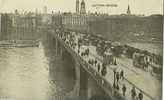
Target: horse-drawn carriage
(156, 65)
(108, 58)
(140, 60)
(156, 69)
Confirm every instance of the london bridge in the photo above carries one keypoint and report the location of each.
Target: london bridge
(80, 56)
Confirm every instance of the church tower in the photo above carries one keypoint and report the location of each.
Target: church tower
(128, 10)
(77, 6)
(82, 10)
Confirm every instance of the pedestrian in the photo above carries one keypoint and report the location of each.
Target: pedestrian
(114, 71)
(133, 93)
(78, 51)
(104, 71)
(117, 87)
(95, 62)
(103, 65)
(89, 61)
(87, 52)
(122, 74)
(114, 90)
(140, 96)
(78, 45)
(124, 89)
(115, 63)
(82, 54)
(117, 76)
(92, 61)
(98, 66)
(114, 85)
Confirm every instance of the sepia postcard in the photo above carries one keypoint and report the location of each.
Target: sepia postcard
(81, 49)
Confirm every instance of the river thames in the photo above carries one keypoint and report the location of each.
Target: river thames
(33, 73)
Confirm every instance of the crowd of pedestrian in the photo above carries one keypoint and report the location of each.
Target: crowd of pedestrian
(120, 76)
(134, 94)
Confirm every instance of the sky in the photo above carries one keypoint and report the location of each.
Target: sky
(146, 7)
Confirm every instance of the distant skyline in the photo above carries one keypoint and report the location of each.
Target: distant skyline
(146, 7)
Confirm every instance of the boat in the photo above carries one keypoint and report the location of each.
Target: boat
(19, 43)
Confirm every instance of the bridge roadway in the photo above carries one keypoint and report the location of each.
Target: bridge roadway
(134, 77)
